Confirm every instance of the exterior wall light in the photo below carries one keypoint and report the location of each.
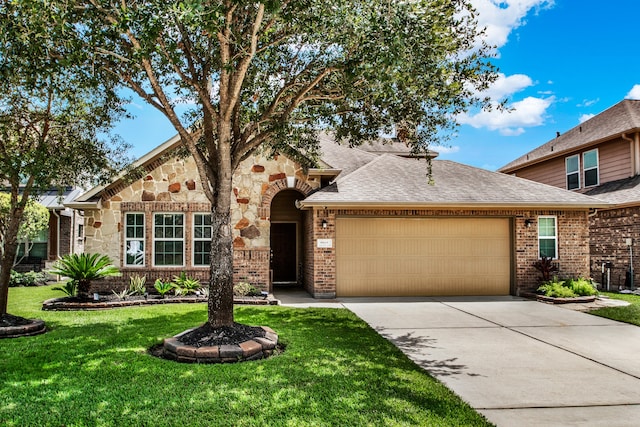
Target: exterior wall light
(528, 222)
(324, 223)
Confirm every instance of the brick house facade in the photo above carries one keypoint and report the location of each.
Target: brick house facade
(153, 225)
(599, 158)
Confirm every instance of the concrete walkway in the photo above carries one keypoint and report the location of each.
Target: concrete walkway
(518, 362)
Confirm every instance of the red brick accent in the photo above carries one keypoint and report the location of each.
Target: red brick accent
(243, 201)
(175, 187)
(191, 185)
(277, 176)
(243, 223)
(148, 178)
(238, 243)
(97, 224)
(257, 168)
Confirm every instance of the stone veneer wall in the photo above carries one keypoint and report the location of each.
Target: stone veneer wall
(573, 243)
(173, 185)
(609, 230)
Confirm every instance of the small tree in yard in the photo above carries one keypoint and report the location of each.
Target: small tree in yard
(35, 219)
(83, 269)
(55, 113)
(271, 73)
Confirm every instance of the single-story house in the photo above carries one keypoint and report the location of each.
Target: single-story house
(367, 221)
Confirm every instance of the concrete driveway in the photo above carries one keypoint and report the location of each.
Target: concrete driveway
(518, 362)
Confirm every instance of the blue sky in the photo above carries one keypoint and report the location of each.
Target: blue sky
(561, 62)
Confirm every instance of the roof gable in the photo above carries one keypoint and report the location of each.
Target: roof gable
(622, 118)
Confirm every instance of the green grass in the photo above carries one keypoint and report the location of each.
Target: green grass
(92, 368)
(627, 314)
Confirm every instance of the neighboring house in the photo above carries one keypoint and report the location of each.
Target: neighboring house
(64, 235)
(367, 221)
(600, 158)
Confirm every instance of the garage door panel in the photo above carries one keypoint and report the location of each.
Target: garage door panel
(423, 256)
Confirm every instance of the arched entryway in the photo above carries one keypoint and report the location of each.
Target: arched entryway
(287, 238)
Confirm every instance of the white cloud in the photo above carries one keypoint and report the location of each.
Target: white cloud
(446, 149)
(588, 102)
(505, 86)
(529, 112)
(634, 93)
(583, 118)
(501, 17)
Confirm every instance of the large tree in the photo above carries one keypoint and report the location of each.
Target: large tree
(272, 73)
(55, 113)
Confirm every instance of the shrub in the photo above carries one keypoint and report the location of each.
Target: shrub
(546, 267)
(185, 285)
(569, 288)
(30, 278)
(243, 289)
(84, 268)
(70, 288)
(123, 294)
(137, 285)
(582, 287)
(163, 287)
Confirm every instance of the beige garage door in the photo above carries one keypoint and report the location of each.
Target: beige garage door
(423, 256)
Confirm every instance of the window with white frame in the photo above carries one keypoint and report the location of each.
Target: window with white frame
(201, 239)
(573, 172)
(134, 239)
(590, 165)
(168, 239)
(547, 237)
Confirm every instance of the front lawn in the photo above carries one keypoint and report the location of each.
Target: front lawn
(92, 368)
(627, 314)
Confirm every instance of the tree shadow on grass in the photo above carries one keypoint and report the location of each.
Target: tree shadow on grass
(335, 371)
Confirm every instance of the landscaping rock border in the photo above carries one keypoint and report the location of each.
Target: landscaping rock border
(554, 300)
(35, 327)
(61, 304)
(254, 349)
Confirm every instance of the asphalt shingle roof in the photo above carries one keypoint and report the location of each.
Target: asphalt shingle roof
(621, 192)
(624, 117)
(392, 180)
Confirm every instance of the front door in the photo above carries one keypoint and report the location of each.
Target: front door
(283, 252)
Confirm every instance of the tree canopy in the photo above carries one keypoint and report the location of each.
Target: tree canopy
(272, 73)
(56, 112)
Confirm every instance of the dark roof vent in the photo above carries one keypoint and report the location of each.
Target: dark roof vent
(557, 134)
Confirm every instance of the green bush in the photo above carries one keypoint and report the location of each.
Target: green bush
(163, 287)
(70, 288)
(243, 289)
(569, 288)
(30, 278)
(185, 285)
(582, 287)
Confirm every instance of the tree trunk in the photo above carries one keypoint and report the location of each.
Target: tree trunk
(83, 289)
(220, 304)
(6, 263)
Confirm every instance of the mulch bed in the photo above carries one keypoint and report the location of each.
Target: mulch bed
(206, 335)
(15, 326)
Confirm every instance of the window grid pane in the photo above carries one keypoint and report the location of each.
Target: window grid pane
(134, 239)
(201, 239)
(547, 237)
(168, 235)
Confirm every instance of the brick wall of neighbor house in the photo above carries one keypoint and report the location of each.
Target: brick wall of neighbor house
(309, 252)
(174, 186)
(609, 231)
(573, 242)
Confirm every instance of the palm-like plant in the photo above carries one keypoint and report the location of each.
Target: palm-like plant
(84, 268)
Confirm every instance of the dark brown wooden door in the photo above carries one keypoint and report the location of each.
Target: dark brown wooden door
(283, 252)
